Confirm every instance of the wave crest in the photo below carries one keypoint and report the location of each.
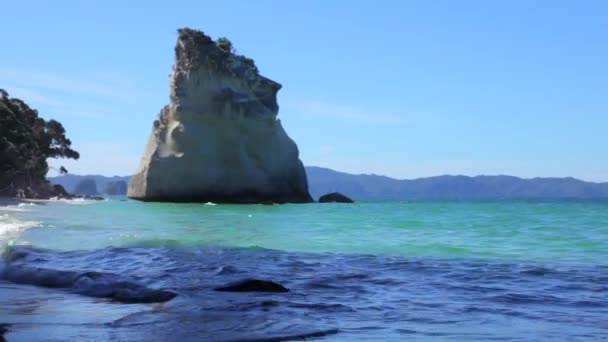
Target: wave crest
(88, 283)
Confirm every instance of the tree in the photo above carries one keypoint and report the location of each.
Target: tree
(26, 142)
(58, 144)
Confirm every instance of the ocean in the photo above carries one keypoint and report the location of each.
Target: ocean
(370, 271)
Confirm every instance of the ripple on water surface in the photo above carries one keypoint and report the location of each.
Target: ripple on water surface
(389, 271)
(342, 297)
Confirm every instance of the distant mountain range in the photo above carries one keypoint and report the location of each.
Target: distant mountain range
(323, 180)
(374, 187)
(71, 182)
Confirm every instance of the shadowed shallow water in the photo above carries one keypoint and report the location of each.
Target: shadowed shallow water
(370, 271)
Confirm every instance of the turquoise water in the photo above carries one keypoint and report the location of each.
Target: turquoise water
(518, 270)
(535, 231)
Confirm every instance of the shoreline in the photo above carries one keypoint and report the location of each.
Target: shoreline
(6, 201)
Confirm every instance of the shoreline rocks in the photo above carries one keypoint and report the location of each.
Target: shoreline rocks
(219, 139)
(57, 192)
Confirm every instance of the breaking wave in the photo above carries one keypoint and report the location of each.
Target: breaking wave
(88, 283)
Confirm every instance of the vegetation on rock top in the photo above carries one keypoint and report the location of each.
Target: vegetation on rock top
(198, 47)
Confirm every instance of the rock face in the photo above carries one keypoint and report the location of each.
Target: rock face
(335, 197)
(60, 192)
(87, 187)
(219, 139)
(116, 188)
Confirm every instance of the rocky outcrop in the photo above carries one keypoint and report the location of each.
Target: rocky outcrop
(60, 192)
(335, 197)
(219, 139)
(44, 190)
(116, 188)
(91, 198)
(86, 187)
(34, 190)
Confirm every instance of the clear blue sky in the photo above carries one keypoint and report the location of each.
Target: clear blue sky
(401, 88)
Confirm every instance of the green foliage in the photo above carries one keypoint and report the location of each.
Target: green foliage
(225, 44)
(26, 141)
(197, 35)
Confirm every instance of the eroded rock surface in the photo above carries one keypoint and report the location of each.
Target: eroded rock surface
(219, 139)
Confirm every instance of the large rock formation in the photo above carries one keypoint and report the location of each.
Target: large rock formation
(219, 139)
(86, 187)
(116, 188)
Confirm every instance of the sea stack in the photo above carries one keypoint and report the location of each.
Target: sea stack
(219, 139)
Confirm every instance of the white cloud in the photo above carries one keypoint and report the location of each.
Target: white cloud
(366, 115)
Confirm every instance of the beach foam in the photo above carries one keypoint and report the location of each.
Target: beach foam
(10, 226)
(74, 201)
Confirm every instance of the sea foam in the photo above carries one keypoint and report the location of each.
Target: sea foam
(10, 226)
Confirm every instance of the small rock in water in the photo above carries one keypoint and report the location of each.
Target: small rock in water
(94, 198)
(253, 285)
(335, 197)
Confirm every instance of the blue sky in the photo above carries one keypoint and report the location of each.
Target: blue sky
(401, 88)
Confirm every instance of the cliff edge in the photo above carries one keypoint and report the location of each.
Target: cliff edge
(219, 139)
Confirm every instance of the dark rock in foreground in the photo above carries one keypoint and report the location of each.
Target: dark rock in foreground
(253, 285)
(335, 197)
